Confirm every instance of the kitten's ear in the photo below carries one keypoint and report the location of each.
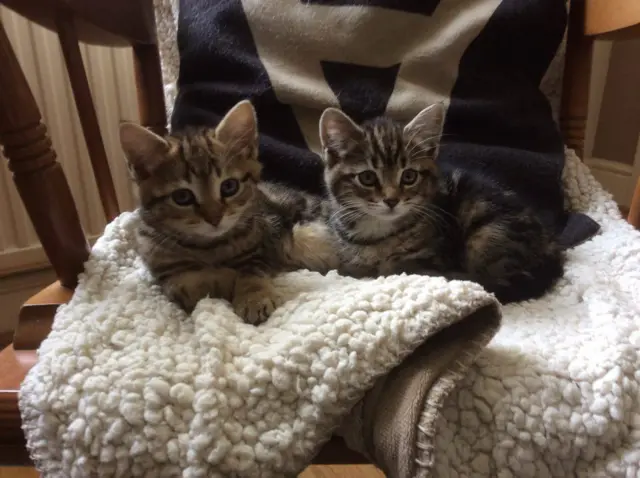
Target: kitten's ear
(427, 124)
(239, 127)
(144, 149)
(337, 130)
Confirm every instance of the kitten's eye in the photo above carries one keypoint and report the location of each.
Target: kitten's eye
(229, 187)
(183, 197)
(409, 176)
(368, 178)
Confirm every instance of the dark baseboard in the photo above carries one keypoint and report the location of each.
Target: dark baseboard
(624, 210)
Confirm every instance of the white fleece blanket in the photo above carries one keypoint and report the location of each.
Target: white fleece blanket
(127, 385)
(557, 391)
(555, 394)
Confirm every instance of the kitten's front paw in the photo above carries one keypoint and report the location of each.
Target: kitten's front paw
(255, 308)
(185, 298)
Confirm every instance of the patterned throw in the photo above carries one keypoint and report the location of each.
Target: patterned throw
(293, 58)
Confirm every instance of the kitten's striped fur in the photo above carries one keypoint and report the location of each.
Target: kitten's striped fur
(431, 220)
(209, 226)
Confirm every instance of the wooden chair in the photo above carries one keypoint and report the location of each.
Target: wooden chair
(45, 191)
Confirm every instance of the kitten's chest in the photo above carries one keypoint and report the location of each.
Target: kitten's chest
(261, 244)
(258, 244)
(396, 244)
(376, 230)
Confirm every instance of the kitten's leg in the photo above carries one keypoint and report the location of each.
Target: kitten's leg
(312, 247)
(409, 267)
(454, 275)
(189, 287)
(430, 270)
(514, 258)
(426, 265)
(358, 272)
(255, 298)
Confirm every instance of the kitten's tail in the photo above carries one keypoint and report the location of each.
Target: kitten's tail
(312, 248)
(528, 284)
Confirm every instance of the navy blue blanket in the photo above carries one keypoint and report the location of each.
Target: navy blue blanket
(294, 58)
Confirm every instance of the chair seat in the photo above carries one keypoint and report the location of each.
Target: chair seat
(13, 368)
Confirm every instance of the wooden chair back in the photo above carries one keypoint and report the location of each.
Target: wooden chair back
(38, 176)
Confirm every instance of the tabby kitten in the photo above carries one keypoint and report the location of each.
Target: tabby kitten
(208, 226)
(394, 210)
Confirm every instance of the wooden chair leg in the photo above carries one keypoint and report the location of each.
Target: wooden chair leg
(38, 176)
(86, 111)
(150, 88)
(634, 210)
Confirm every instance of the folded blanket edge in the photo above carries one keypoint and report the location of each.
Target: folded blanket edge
(394, 425)
(484, 328)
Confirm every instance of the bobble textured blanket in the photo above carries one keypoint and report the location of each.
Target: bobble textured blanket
(127, 385)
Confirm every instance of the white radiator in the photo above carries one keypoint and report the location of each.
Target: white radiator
(110, 73)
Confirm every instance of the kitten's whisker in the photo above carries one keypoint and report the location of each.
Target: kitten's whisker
(432, 214)
(439, 210)
(430, 220)
(436, 212)
(433, 221)
(350, 215)
(339, 211)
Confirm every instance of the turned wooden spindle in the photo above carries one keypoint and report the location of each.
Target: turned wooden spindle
(38, 176)
(68, 37)
(150, 88)
(576, 79)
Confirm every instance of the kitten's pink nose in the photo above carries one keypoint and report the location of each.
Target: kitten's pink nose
(212, 215)
(391, 202)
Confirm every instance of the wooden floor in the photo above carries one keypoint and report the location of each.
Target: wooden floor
(18, 472)
(333, 471)
(344, 471)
